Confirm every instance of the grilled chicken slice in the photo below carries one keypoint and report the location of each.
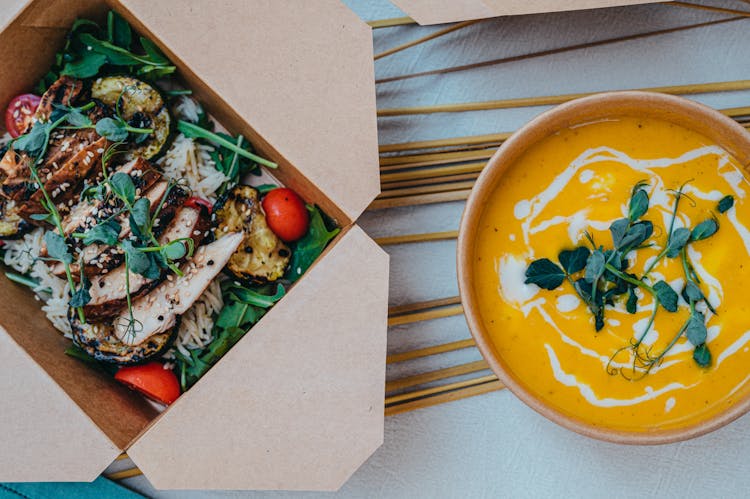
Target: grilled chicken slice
(86, 213)
(65, 91)
(100, 258)
(262, 256)
(99, 341)
(62, 184)
(109, 291)
(157, 311)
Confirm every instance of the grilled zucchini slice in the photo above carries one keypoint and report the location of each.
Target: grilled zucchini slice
(141, 106)
(12, 226)
(99, 341)
(262, 257)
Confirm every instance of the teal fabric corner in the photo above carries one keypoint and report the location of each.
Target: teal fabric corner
(101, 488)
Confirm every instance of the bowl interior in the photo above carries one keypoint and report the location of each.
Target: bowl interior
(716, 127)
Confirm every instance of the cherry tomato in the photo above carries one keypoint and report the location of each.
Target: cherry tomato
(20, 112)
(198, 203)
(286, 214)
(152, 380)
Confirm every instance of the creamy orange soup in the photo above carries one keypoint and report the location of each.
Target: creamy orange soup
(578, 180)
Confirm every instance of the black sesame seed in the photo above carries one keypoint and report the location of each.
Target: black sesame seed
(161, 318)
(210, 262)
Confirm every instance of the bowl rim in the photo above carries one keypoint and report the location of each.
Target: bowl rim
(518, 143)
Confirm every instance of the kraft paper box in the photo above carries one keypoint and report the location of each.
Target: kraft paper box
(298, 402)
(448, 11)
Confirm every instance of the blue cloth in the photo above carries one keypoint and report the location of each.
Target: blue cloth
(101, 488)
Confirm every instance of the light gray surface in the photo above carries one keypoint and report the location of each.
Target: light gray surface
(493, 445)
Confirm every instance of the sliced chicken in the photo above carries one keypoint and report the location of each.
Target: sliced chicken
(157, 311)
(65, 91)
(109, 291)
(86, 213)
(100, 258)
(99, 341)
(62, 184)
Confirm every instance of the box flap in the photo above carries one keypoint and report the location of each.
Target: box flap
(46, 435)
(448, 11)
(297, 404)
(300, 73)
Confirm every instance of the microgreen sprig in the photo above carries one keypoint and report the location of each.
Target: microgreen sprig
(605, 278)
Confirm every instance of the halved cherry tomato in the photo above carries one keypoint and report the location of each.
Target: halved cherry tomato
(286, 214)
(152, 380)
(198, 203)
(20, 112)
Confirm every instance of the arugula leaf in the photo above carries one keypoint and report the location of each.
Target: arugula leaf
(679, 239)
(193, 131)
(312, 244)
(595, 266)
(43, 217)
(57, 249)
(264, 189)
(696, 329)
(87, 66)
(107, 232)
(702, 355)
(704, 230)
(254, 298)
(119, 31)
(638, 203)
(574, 261)
(77, 353)
(153, 51)
(725, 204)
(666, 296)
(123, 187)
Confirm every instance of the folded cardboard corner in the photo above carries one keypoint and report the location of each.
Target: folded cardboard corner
(298, 402)
(448, 11)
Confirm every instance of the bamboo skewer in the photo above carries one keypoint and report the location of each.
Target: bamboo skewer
(389, 23)
(428, 180)
(493, 138)
(423, 305)
(431, 36)
(442, 398)
(548, 100)
(439, 313)
(429, 351)
(438, 197)
(429, 159)
(559, 50)
(437, 171)
(395, 399)
(417, 238)
(121, 475)
(425, 189)
(437, 375)
(709, 8)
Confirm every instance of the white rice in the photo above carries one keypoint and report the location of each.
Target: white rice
(185, 159)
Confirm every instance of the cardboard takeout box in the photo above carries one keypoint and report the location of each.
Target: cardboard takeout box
(448, 11)
(298, 402)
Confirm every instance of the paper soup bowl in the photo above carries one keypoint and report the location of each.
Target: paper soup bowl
(720, 129)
